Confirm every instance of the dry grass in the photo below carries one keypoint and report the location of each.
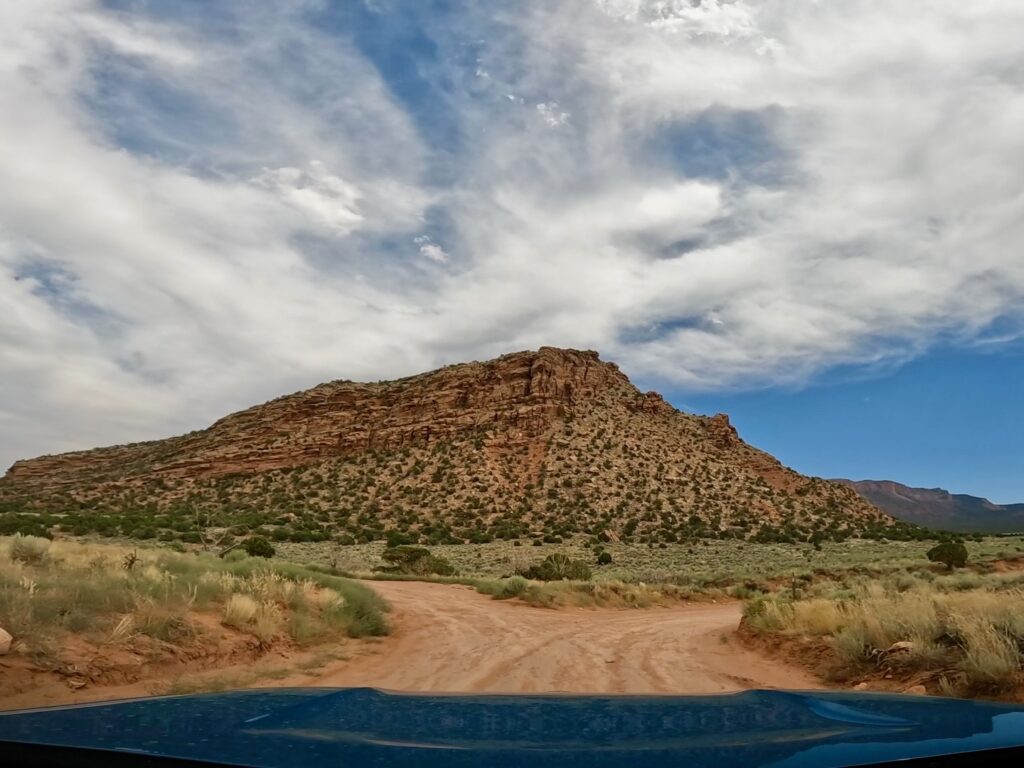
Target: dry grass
(268, 623)
(972, 638)
(991, 659)
(50, 591)
(31, 550)
(239, 610)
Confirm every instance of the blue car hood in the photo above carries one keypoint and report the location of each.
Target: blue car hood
(313, 727)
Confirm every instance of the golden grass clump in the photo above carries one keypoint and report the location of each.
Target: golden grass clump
(991, 660)
(818, 617)
(937, 625)
(267, 622)
(31, 550)
(327, 600)
(239, 610)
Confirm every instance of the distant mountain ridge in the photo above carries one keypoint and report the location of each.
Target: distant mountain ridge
(543, 444)
(940, 509)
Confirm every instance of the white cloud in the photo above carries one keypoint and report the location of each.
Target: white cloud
(551, 114)
(133, 38)
(430, 249)
(735, 194)
(720, 18)
(320, 195)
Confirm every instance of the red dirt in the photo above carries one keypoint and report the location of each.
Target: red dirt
(450, 638)
(447, 638)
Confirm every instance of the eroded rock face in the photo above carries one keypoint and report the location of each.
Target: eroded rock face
(528, 439)
(520, 394)
(721, 432)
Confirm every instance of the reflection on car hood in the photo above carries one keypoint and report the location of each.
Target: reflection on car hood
(310, 727)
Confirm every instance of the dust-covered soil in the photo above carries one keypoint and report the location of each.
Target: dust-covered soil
(450, 638)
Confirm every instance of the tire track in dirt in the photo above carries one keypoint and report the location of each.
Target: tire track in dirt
(449, 638)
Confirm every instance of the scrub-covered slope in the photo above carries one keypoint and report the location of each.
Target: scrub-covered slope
(542, 444)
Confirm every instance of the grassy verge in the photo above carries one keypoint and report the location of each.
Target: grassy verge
(108, 595)
(957, 634)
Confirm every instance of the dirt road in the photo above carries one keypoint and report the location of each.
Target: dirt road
(450, 638)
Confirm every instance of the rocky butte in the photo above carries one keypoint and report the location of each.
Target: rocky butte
(543, 444)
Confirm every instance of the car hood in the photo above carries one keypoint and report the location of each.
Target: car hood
(310, 727)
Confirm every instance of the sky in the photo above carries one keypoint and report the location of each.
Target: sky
(806, 213)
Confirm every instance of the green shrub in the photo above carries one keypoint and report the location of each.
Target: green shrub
(258, 546)
(604, 558)
(952, 554)
(558, 567)
(415, 561)
(513, 587)
(398, 538)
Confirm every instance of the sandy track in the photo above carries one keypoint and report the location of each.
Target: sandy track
(450, 638)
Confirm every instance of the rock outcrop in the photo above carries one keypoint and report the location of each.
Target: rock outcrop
(521, 394)
(551, 442)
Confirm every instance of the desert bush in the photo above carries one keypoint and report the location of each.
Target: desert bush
(513, 587)
(604, 558)
(851, 646)
(399, 538)
(365, 619)
(31, 550)
(559, 567)
(952, 554)
(416, 561)
(257, 546)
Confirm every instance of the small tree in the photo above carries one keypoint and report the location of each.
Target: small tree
(205, 535)
(604, 558)
(258, 546)
(952, 554)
